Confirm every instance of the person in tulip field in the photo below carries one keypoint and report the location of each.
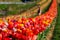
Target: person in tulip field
(39, 11)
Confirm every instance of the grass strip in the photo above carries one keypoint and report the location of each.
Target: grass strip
(56, 34)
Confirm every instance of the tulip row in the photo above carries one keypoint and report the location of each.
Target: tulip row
(53, 12)
(27, 28)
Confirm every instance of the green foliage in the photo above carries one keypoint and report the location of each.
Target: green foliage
(16, 8)
(3, 6)
(57, 27)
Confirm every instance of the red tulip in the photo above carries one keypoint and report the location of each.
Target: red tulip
(0, 36)
(7, 39)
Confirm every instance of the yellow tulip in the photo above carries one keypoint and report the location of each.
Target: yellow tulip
(22, 25)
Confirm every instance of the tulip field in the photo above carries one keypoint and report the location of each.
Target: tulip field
(38, 27)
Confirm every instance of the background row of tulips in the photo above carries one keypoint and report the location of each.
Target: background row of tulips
(52, 11)
(27, 28)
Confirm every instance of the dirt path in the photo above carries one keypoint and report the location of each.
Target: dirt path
(44, 6)
(41, 2)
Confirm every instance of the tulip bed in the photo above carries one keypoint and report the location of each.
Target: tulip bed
(27, 28)
(43, 35)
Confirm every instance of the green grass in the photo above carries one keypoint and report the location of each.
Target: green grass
(21, 8)
(44, 2)
(11, 0)
(15, 8)
(56, 34)
(3, 6)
